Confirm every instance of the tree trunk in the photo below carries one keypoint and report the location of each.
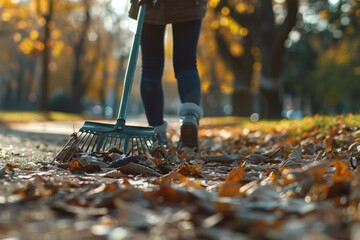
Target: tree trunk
(212, 100)
(77, 86)
(7, 94)
(242, 67)
(46, 58)
(269, 38)
(24, 78)
(104, 85)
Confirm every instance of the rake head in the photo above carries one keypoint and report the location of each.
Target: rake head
(96, 137)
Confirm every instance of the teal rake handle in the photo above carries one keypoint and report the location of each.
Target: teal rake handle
(130, 70)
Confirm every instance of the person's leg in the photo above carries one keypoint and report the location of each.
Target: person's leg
(152, 52)
(186, 37)
(184, 57)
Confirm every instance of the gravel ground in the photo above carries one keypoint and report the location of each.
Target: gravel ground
(29, 151)
(25, 148)
(31, 147)
(39, 200)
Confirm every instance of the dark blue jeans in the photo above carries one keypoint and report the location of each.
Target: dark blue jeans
(185, 40)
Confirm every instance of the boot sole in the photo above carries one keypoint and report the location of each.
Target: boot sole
(189, 135)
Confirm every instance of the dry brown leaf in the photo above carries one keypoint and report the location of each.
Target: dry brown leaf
(172, 177)
(167, 194)
(190, 171)
(230, 189)
(342, 172)
(76, 167)
(236, 175)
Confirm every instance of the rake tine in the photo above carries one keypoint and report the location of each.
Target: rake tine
(57, 156)
(70, 145)
(143, 148)
(135, 147)
(146, 147)
(77, 144)
(147, 140)
(126, 144)
(112, 142)
(101, 142)
(132, 146)
(138, 145)
(108, 142)
(84, 140)
(117, 142)
(143, 143)
(122, 145)
(93, 138)
(80, 137)
(131, 149)
(96, 143)
(146, 143)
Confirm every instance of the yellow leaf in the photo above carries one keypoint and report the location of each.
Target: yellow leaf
(225, 11)
(26, 46)
(236, 49)
(34, 34)
(17, 37)
(6, 17)
(241, 7)
(58, 47)
(56, 34)
(324, 14)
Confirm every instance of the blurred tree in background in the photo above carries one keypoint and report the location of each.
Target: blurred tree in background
(323, 59)
(280, 55)
(250, 36)
(255, 56)
(57, 54)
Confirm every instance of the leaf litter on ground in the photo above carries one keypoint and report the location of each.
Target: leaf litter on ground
(298, 180)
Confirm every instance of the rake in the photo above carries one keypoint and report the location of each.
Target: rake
(94, 137)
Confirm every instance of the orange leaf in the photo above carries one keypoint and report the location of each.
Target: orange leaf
(232, 183)
(172, 177)
(342, 172)
(168, 194)
(10, 166)
(230, 189)
(236, 175)
(77, 167)
(188, 171)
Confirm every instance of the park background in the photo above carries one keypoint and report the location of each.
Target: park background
(267, 59)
